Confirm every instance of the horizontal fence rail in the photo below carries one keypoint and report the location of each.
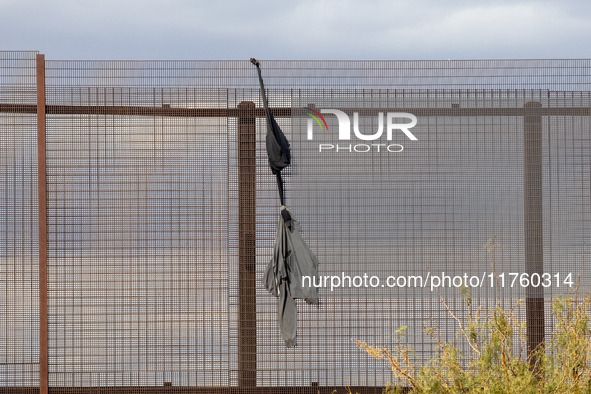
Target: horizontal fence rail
(287, 112)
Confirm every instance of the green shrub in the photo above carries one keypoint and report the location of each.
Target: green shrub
(494, 361)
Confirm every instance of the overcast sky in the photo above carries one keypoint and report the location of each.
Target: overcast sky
(300, 29)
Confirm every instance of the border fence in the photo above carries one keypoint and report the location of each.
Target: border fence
(138, 214)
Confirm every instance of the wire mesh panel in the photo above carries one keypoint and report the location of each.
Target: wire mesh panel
(163, 212)
(138, 246)
(19, 284)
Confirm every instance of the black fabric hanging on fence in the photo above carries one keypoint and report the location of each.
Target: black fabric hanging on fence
(277, 144)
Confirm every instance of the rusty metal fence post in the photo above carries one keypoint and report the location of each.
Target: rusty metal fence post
(42, 187)
(533, 228)
(247, 336)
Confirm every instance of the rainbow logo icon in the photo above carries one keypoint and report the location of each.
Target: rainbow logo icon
(315, 115)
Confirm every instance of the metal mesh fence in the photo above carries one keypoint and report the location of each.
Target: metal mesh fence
(19, 290)
(162, 213)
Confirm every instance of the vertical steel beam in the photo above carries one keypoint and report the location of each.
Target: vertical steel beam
(247, 326)
(533, 228)
(42, 188)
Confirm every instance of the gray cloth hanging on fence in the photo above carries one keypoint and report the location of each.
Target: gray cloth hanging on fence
(292, 259)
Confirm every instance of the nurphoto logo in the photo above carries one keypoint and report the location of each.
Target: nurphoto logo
(392, 125)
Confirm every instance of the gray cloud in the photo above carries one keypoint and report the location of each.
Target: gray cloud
(322, 29)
